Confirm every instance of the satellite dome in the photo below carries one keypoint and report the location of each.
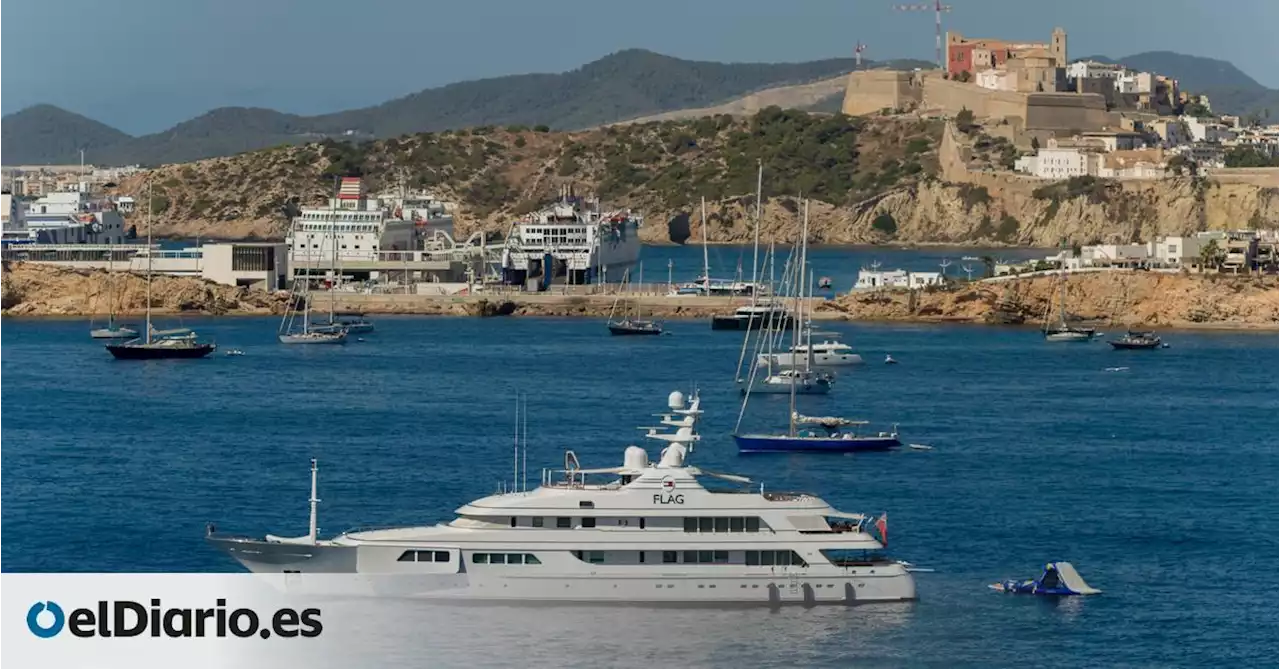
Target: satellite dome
(673, 456)
(675, 400)
(635, 458)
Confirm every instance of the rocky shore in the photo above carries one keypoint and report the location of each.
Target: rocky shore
(1137, 299)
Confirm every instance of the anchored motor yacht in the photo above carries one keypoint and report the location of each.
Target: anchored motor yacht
(645, 532)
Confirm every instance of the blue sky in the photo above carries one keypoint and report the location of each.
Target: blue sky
(143, 65)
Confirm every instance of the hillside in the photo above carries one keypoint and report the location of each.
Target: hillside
(624, 85)
(499, 172)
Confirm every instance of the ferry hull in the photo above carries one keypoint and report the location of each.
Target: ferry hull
(763, 443)
(764, 586)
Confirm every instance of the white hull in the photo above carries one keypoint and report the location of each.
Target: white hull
(670, 584)
(797, 360)
(1068, 336)
(116, 333)
(314, 338)
(782, 386)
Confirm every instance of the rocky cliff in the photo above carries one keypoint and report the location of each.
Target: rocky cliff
(1138, 299)
(29, 289)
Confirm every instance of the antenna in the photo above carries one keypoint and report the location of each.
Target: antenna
(968, 270)
(944, 265)
(524, 459)
(311, 532)
(937, 8)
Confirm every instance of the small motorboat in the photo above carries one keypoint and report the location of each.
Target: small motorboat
(824, 283)
(1059, 579)
(234, 351)
(1136, 340)
(888, 360)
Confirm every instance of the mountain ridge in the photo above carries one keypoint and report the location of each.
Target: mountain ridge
(628, 84)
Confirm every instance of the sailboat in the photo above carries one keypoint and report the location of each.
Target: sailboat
(795, 379)
(159, 344)
(351, 322)
(1061, 331)
(295, 331)
(113, 330)
(760, 313)
(628, 325)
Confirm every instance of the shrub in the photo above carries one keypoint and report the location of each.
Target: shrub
(541, 128)
(1008, 229)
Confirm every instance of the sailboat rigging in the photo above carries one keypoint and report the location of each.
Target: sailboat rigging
(159, 344)
(628, 324)
(291, 330)
(1062, 331)
(113, 330)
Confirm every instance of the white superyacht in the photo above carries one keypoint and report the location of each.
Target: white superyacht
(650, 532)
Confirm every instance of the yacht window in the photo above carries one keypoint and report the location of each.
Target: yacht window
(537, 521)
(406, 556)
(515, 558)
(442, 556)
(706, 524)
(513, 521)
(531, 559)
(669, 557)
(704, 557)
(753, 558)
(753, 524)
(766, 558)
(783, 558)
(642, 523)
(564, 522)
(595, 557)
(690, 524)
(480, 558)
(588, 522)
(586, 505)
(498, 558)
(735, 524)
(720, 557)
(641, 557)
(690, 557)
(722, 524)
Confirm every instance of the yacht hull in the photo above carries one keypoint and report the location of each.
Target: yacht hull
(113, 333)
(1134, 346)
(766, 443)
(740, 324)
(144, 352)
(314, 338)
(1069, 335)
(793, 360)
(761, 586)
(629, 330)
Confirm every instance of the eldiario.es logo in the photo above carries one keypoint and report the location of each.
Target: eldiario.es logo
(124, 618)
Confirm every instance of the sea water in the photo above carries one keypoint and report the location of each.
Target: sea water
(1157, 480)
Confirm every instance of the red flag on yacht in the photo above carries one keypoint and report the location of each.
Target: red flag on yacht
(882, 526)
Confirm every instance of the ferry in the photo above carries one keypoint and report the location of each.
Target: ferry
(573, 241)
(664, 532)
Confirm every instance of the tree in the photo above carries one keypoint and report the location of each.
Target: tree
(1035, 143)
(1247, 156)
(964, 120)
(964, 76)
(1197, 110)
(1180, 165)
(1211, 256)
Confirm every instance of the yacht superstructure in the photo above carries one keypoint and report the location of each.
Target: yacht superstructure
(575, 239)
(647, 532)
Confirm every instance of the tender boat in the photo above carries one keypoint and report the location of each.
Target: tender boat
(664, 532)
(839, 435)
(799, 381)
(1058, 579)
(1136, 340)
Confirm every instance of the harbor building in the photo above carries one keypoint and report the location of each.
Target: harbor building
(70, 217)
(896, 278)
(257, 265)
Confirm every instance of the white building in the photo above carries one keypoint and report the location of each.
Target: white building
(1114, 255)
(67, 218)
(1175, 251)
(1055, 163)
(1088, 69)
(1207, 130)
(897, 278)
(996, 80)
(1135, 82)
(1203, 155)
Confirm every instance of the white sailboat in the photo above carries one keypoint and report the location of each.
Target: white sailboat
(1062, 332)
(300, 330)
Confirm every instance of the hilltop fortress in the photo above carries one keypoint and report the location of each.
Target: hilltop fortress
(1030, 86)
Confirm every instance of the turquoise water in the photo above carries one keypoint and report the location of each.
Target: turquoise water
(1158, 482)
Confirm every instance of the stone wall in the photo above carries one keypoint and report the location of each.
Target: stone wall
(869, 91)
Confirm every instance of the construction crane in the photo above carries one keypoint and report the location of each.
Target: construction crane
(937, 8)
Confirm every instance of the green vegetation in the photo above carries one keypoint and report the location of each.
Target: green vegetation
(1008, 230)
(1180, 165)
(1097, 190)
(974, 195)
(1246, 156)
(159, 204)
(1211, 255)
(964, 121)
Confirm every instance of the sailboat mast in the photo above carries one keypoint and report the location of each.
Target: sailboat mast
(333, 264)
(150, 205)
(706, 259)
(755, 250)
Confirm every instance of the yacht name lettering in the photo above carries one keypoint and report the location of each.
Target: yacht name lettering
(668, 498)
